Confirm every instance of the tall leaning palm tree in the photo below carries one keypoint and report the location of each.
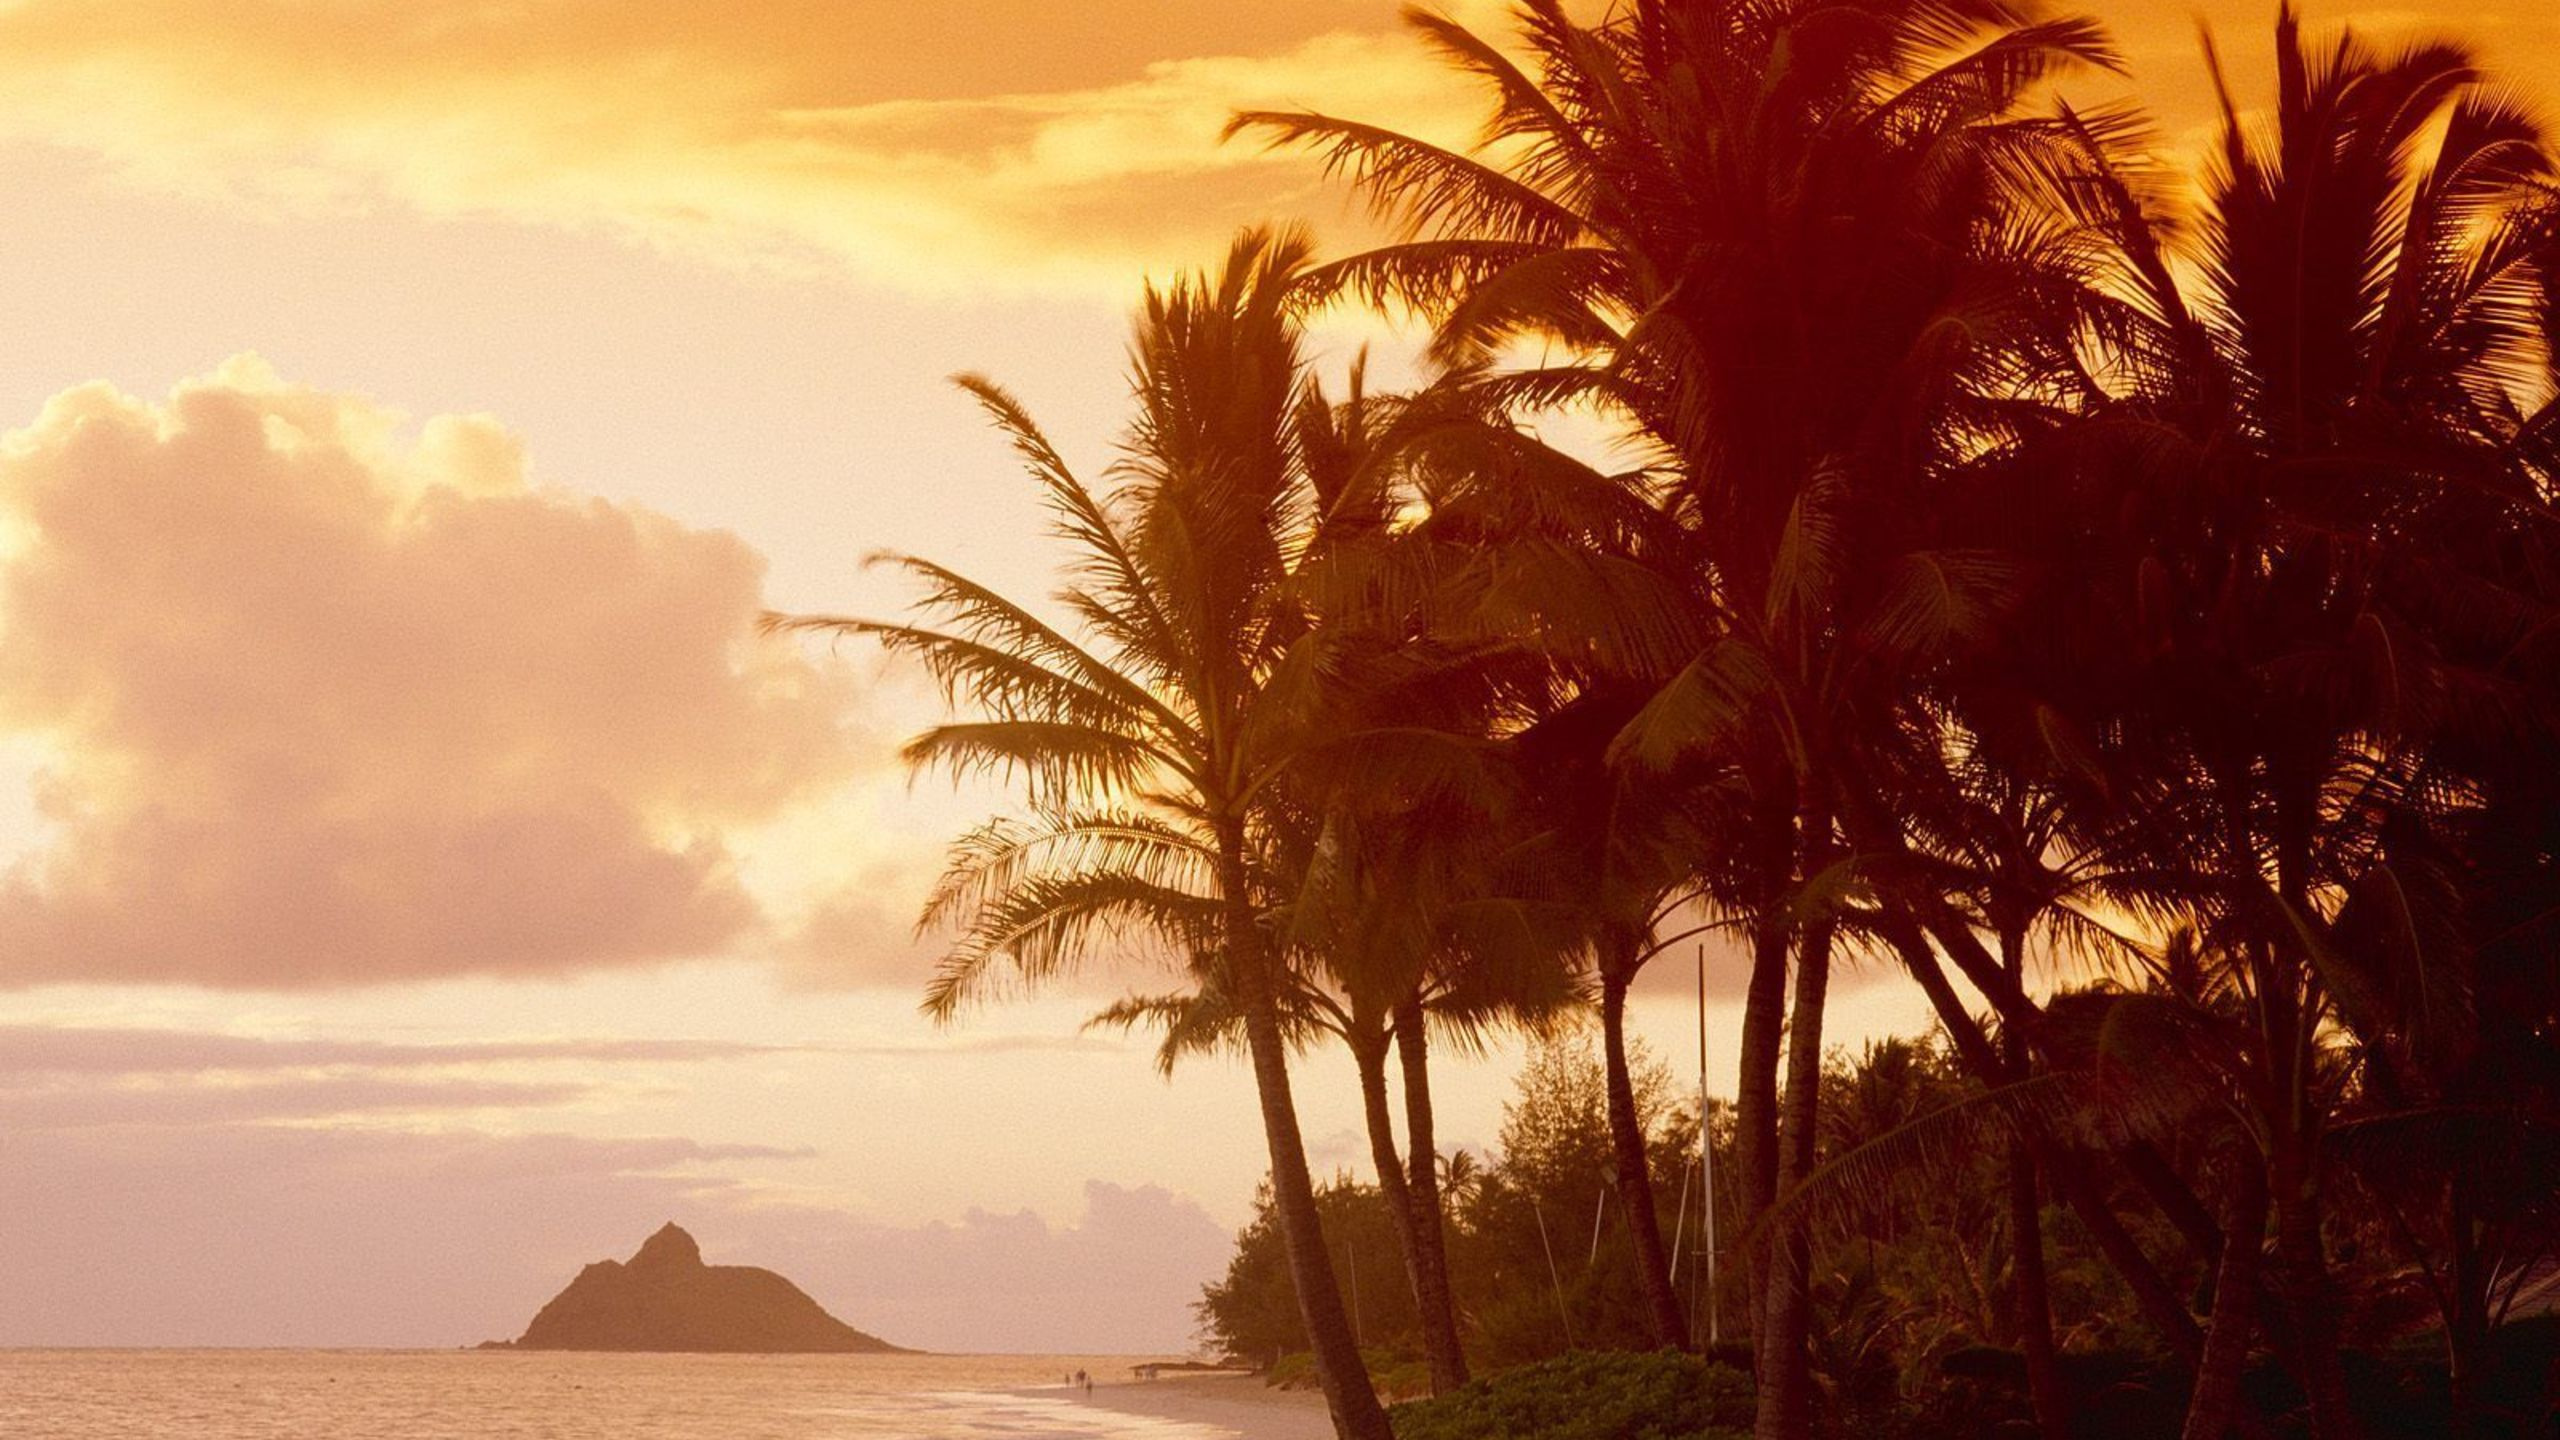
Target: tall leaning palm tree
(1151, 739)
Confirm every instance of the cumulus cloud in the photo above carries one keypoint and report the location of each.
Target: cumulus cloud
(861, 936)
(328, 704)
(1121, 1278)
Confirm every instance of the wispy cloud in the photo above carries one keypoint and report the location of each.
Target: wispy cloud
(68, 1052)
(971, 144)
(316, 1098)
(955, 1046)
(978, 143)
(266, 1235)
(284, 1235)
(82, 1077)
(27, 1050)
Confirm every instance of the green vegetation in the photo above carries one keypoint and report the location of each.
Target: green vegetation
(1543, 1189)
(2124, 606)
(1592, 1395)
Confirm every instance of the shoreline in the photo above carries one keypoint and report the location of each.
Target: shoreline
(1239, 1404)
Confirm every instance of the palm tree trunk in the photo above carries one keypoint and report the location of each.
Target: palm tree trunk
(2031, 1294)
(2034, 1298)
(1348, 1394)
(1432, 1290)
(1369, 1056)
(1755, 1107)
(2311, 1299)
(2286, 1024)
(1634, 1170)
(2214, 1405)
(1417, 1229)
(2466, 1326)
(1786, 1379)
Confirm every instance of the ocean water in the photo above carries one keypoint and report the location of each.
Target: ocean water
(500, 1395)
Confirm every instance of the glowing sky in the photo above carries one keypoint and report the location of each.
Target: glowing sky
(414, 881)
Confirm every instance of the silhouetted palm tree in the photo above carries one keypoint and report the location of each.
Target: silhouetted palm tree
(1773, 236)
(1154, 749)
(2270, 545)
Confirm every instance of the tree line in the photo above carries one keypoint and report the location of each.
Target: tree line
(2117, 595)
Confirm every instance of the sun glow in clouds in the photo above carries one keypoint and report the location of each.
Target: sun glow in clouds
(328, 706)
(796, 136)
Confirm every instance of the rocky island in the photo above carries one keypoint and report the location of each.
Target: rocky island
(664, 1298)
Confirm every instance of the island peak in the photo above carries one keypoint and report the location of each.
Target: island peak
(665, 1298)
(671, 1248)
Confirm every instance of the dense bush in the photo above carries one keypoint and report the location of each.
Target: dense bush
(1395, 1377)
(1250, 1314)
(1532, 1278)
(1590, 1395)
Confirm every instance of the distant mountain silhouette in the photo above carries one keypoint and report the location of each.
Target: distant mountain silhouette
(665, 1298)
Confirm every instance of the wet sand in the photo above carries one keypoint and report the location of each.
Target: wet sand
(1241, 1403)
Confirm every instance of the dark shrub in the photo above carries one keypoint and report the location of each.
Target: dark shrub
(1590, 1395)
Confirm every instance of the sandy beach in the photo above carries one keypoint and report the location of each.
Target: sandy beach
(1241, 1403)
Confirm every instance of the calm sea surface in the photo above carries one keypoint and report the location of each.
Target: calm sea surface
(450, 1395)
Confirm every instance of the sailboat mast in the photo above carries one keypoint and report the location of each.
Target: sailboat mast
(1706, 1150)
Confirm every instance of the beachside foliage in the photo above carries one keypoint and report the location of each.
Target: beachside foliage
(1590, 1395)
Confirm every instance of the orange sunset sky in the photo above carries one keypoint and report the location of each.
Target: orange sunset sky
(415, 880)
